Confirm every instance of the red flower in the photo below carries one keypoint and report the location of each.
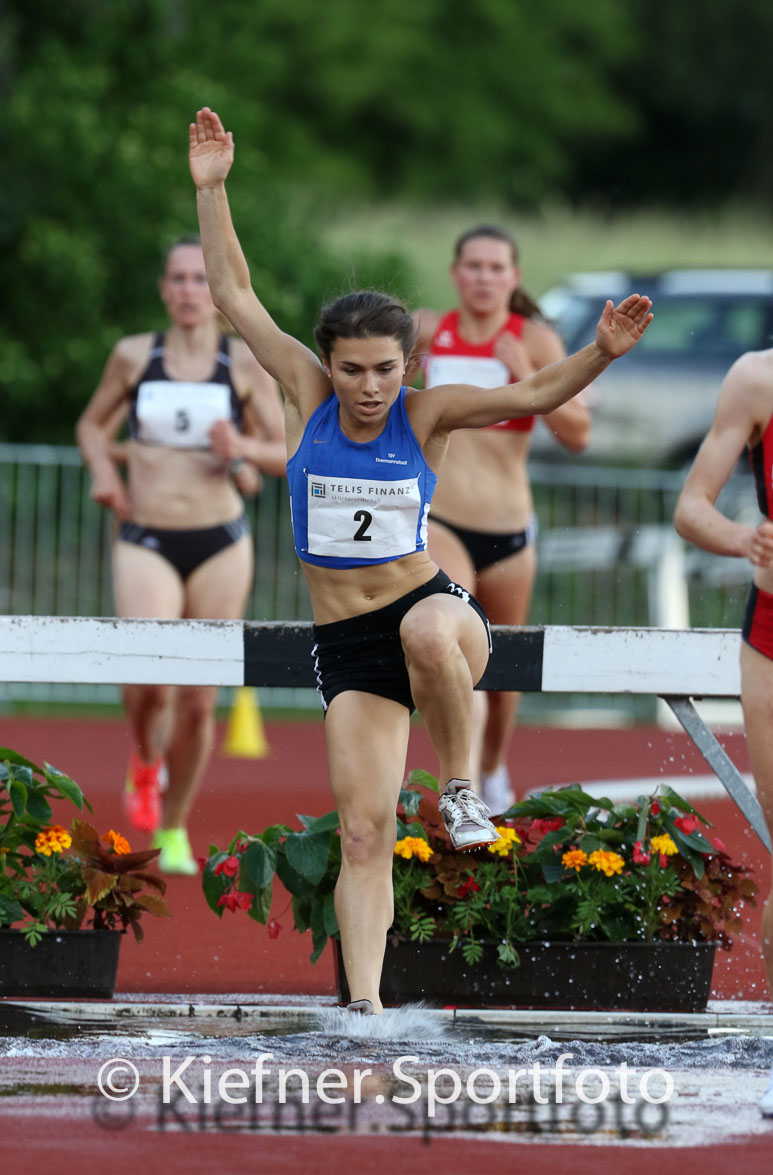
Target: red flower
(686, 824)
(655, 808)
(663, 860)
(273, 928)
(719, 844)
(545, 825)
(230, 866)
(235, 901)
(468, 886)
(640, 854)
(202, 863)
(241, 846)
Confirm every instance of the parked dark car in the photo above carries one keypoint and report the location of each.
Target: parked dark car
(654, 406)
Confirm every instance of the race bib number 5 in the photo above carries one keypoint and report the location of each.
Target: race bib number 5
(360, 518)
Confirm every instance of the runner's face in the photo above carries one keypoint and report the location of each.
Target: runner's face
(367, 375)
(184, 289)
(485, 276)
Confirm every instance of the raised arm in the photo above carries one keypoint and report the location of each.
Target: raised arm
(539, 347)
(736, 420)
(443, 409)
(286, 359)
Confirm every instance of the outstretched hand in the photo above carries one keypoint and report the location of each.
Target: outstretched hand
(211, 149)
(621, 327)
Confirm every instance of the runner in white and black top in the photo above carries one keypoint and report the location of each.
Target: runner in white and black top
(198, 404)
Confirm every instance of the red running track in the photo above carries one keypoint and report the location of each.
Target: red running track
(195, 952)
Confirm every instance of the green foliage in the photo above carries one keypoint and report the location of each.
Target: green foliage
(52, 879)
(521, 889)
(26, 792)
(701, 83)
(443, 101)
(305, 862)
(97, 101)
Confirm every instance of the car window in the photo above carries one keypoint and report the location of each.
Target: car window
(704, 327)
(700, 327)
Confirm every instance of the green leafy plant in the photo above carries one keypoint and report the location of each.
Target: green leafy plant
(54, 879)
(567, 867)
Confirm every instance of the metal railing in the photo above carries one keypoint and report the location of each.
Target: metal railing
(608, 554)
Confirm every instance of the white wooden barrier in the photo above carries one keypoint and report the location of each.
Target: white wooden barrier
(674, 664)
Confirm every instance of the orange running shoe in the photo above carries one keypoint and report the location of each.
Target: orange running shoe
(142, 795)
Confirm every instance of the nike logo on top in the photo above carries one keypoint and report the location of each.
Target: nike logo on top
(318, 442)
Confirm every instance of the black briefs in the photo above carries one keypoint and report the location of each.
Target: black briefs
(186, 550)
(486, 548)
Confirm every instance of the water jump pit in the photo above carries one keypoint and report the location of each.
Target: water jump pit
(288, 1066)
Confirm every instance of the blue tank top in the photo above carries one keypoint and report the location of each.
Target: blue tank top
(355, 504)
(179, 413)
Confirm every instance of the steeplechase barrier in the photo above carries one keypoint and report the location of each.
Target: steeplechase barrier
(677, 665)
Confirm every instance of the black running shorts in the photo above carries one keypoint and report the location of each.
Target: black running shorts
(365, 652)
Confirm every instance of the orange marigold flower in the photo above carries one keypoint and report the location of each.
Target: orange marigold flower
(574, 859)
(413, 846)
(119, 844)
(508, 838)
(606, 862)
(53, 839)
(664, 844)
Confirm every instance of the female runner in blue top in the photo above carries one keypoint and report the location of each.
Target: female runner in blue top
(391, 630)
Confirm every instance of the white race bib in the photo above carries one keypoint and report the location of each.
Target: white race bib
(479, 370)
(362, 518)
(180, 415)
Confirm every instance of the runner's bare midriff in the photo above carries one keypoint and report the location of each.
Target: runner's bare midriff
(337, 593)
(485, 484)
(178, 489)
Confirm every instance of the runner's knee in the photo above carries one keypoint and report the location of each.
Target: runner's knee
(367, 839)
(429, 636)
(195, 706)
(148, 697)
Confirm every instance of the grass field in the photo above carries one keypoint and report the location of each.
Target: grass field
(558, 241)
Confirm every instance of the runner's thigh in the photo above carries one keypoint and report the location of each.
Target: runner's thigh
(219, 587)
(145, 585)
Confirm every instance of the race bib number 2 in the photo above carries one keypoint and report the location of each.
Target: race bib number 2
(360, 518)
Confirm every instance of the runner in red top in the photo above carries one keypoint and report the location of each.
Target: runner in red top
(482, 528)
(744, 418)
(453, 359)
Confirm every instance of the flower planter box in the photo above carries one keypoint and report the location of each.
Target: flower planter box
(64, 963)
(635, 976)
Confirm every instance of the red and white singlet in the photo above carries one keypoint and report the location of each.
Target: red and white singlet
(453, 360)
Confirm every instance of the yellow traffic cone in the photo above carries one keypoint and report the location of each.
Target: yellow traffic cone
(245, 737)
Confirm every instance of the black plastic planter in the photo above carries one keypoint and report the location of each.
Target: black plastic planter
(65, 963)
(634, 976)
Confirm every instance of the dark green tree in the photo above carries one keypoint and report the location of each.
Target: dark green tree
(97, 98)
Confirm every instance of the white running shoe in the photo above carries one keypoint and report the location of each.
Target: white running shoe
(496, 790)
(766, 1101)
(466, 817)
